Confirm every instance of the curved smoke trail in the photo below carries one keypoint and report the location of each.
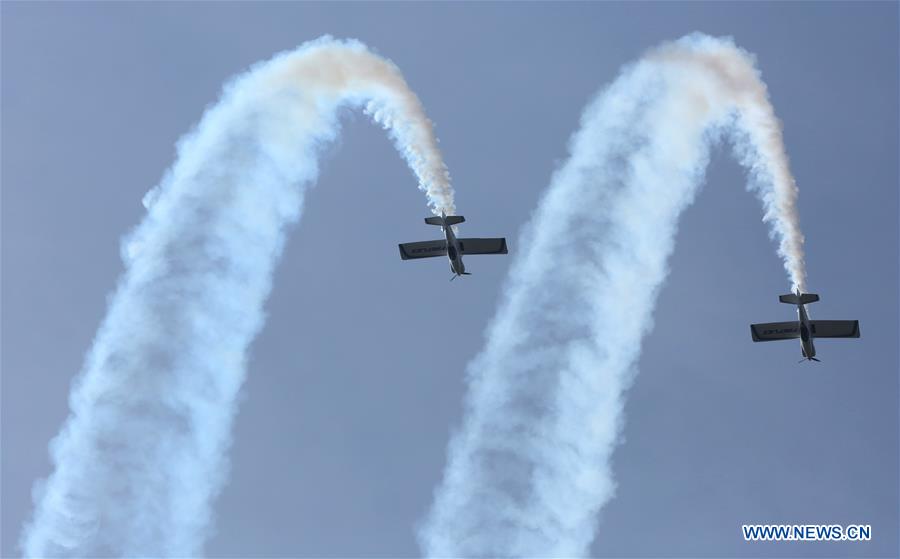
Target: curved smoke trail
(530, 468)
(143, 452)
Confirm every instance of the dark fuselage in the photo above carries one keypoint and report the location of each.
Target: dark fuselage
(806, 336)
(454, 254)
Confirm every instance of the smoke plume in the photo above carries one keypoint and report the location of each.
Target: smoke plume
(529, 469)
(142, 454)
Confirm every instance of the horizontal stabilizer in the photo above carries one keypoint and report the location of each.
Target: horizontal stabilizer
(483, 246)
(834, 328)
(802, 299)
(446, 220)
(423, 249)
(771, 331)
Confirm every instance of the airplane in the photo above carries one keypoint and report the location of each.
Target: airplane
(804, 328)
(451, 246)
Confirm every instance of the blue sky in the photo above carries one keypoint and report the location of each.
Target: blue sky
(356, 381)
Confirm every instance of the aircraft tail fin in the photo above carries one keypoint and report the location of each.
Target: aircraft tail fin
(445, 220)
(798, 299)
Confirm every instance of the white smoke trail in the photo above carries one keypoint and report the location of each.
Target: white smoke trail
(530, 468)
(143, 452)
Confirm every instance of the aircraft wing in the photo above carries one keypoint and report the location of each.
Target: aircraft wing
(771, 331)
(483, 246)
(423, 249)
(835, 328)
